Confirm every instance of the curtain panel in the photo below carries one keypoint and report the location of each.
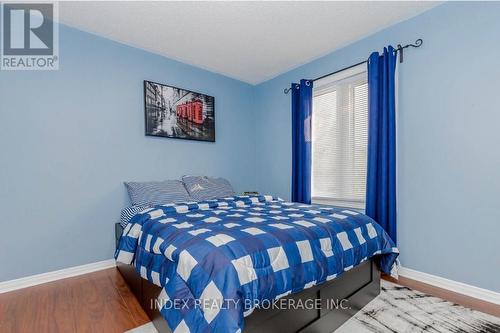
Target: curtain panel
(301, 141)
(381, 168)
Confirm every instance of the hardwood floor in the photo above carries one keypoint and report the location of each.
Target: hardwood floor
(96, 302)
(467, 301)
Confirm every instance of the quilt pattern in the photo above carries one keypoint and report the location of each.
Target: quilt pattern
(218, 260)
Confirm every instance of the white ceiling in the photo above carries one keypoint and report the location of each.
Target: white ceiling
(249, 41)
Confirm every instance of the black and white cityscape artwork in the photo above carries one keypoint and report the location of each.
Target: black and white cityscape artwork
(178, 113)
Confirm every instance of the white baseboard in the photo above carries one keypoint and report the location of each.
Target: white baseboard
(55, 275)
(458, 287)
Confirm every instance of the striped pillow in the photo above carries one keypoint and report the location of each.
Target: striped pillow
(157, 193)
(206, 188)
(129, 212)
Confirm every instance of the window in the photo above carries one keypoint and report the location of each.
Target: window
(340, 138)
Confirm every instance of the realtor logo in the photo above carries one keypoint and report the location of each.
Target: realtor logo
(29, 36)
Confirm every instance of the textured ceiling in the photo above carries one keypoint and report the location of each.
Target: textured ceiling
(249, 41)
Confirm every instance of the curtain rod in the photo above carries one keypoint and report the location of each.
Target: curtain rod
(399, 49)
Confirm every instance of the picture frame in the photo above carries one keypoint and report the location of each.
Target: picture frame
(178, 113)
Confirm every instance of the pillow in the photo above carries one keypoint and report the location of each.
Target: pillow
(129, 212)
(205, 188)
(157, 193)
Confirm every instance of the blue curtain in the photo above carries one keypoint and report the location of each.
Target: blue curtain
(381, 177)
(301, 141)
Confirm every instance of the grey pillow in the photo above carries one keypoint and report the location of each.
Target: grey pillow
(206, 188)
(157, 193)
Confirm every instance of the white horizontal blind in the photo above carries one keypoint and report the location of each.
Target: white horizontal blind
(340, 138)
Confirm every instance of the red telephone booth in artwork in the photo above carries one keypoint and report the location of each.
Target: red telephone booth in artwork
(190, 111)
(197, 110)
(184, 111)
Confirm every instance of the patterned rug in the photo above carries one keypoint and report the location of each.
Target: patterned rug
(401, 310)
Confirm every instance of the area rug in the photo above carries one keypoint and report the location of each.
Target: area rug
(401, 310)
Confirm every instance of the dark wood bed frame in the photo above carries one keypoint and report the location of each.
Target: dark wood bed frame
(356, 287)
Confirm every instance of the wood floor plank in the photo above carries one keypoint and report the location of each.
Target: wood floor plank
(133, 306)
(96, 302)
(63, 305)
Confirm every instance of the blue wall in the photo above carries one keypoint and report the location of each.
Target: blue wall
(69, 138)
(448, 136)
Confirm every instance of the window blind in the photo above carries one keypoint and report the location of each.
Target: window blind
(340, 138)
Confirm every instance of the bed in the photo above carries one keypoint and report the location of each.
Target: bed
(252, 264)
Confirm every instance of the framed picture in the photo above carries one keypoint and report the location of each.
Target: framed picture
(173, 112)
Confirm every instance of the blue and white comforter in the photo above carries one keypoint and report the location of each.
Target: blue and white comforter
(216, 260)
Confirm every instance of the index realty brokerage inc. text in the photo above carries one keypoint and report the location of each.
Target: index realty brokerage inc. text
(281, 304)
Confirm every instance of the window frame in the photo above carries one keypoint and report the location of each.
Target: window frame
(328, 85)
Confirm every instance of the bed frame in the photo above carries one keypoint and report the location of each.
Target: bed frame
(356, 288)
